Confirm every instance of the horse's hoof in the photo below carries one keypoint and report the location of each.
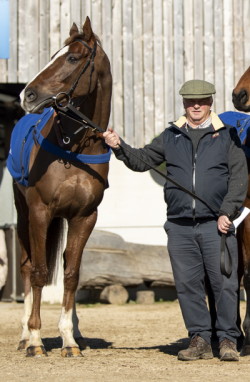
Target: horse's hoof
(23, 344)
(71, 352)
(36, 351)
(245, 350)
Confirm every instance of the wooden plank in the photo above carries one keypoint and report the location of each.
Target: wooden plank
(55, 40)
(209, 58)
(118, 91)
(138, 74)
(64, 20)
(228, 53)
(106, 37)
(25, 23)
(76, 12)
(188, 40)
(3, 70)
(97, 16)
(86, 10)
(198, 40)
(158, 66)
(219, 99)
(12, 62)
(22, 54)
(238, 40)
(178, 56)
(148, 83)
(32, 44)
(44, 33)
(128, 79)
(169, 105)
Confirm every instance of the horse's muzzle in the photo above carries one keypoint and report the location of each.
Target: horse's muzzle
(240, 100)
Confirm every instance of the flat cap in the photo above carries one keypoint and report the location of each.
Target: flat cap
(197, 89)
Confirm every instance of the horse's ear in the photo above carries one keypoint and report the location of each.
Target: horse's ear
(87, 29)
(73, 29)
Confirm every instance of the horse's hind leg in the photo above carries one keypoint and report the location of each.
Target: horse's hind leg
(78, 233)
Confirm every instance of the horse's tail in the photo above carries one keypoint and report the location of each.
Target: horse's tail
(54, 247)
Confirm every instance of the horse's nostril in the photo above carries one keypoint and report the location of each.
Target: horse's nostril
(241, 97)
(30, 95)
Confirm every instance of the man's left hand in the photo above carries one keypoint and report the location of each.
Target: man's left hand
(223, 224)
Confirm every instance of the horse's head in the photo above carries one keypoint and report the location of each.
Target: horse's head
(74, 71)
(241, 93)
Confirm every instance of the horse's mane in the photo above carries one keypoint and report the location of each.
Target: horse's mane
(80, 36)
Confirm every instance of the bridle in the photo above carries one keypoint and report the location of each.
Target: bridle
(67, 108)
(89, 62)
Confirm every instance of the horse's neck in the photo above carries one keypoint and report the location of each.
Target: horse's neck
(96, 107)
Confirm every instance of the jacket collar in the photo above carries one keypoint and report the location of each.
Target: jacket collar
(216, 121)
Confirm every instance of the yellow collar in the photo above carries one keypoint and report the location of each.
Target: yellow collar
(216, 121)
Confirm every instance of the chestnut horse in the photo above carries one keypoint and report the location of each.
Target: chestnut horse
(241, 101)
(76, 84)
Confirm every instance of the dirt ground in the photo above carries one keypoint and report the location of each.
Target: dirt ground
(128, 343)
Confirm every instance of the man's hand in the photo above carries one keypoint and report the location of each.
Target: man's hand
(112, 139)
(223, 224)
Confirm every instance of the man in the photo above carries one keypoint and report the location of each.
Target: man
(204, 156)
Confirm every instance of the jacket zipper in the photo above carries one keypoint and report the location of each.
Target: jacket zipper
(193, 184)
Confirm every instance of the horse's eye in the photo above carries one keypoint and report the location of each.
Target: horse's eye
(72, 59)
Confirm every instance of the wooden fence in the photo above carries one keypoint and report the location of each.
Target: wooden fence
(153, 45)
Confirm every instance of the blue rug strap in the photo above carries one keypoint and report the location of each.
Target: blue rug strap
(68, 155)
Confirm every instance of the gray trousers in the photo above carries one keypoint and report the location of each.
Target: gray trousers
(194, 249)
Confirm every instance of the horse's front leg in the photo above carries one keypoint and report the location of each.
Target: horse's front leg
(79, 231)
(245, 231)
(38, 226)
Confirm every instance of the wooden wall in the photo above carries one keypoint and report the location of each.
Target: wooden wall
(153, 45)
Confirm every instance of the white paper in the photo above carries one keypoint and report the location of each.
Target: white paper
(242, 216)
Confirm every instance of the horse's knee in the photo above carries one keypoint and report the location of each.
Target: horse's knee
(39, 276)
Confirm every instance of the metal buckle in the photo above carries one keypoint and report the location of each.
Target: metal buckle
(58, 101)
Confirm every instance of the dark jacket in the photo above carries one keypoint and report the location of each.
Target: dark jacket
(216, 171)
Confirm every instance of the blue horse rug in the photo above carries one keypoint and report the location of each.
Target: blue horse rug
(241, 122)
(26, 133)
